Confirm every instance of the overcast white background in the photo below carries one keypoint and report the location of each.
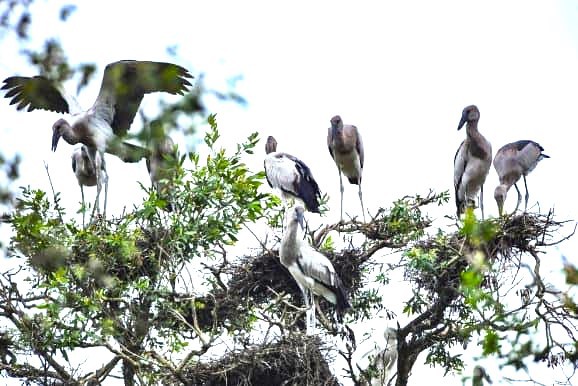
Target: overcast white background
(400, 71)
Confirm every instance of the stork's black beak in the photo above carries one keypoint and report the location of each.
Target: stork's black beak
(55, 137)
(464, 119)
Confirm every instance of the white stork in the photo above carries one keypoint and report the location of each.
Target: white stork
(86, 173)
(472, 162)
(512, 161)
(312, 271)
(101, 127)
(291, 176)
(346, 149)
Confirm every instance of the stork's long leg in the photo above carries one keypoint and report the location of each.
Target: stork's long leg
(96, 206)
(527, 194)
(341, 190)
(361, 200)
(482, 200)
(105, 188)
(519, 197)
(312, 306)
(305, 294)
(83, 207)
(103, 175)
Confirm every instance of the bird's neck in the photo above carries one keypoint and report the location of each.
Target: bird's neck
(290, 241)
(478, 144)
(472, 129)
(69, 135)
(338, 139)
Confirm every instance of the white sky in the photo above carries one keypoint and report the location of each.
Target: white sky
(400, 71)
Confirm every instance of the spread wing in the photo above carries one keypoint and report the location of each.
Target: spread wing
(38, 92)
(125, 83)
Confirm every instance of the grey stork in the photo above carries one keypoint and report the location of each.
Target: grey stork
(86, 173)
(291, 176)
(312, 271)
(101, 127)
(346, 149)
(472, 162)
(385, 360)
(512, 161)
(159, 165)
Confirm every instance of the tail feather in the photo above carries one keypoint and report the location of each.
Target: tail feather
(342, 304)
(354, 180)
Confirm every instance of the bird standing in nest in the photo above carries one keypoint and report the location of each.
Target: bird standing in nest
(512, 161)
(472, 162)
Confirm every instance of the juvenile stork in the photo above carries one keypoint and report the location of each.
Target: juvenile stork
(291, 176)
(385, 360)
(312, 271)
(472, 162)
(512, 161)
(101, 127)
(160, 166)
(87, 174)
(346, 149)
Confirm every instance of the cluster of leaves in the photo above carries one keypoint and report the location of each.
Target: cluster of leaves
(460, 286)
(123, 280)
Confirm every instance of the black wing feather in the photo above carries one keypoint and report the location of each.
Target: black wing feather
(307, 188)
(126, 82)
(34, 93)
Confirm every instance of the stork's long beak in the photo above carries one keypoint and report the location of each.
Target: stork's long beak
(55, 137)
(463, 120)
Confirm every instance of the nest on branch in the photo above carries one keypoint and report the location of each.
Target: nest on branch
(511, 237)
(256, 280)
(294, 360)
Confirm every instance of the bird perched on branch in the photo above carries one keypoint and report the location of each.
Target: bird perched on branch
(160, 165)
(312, 271)
(471, 163)
(102, 127)
(89, 173)
(384, 362)
(346, 149)
(512, 161)
(291, 176)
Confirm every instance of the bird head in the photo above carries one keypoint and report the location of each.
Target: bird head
(57, 131)
(469, 114)
(336, 122)
(500, 196)
(271, 145)
(390, 335)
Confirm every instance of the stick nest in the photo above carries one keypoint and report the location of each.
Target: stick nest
(294, 360)
(255, 280)
(509, 238)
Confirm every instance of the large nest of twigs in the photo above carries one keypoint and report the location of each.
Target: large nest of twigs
(511, 237)
(294, 360)
(255, 280)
